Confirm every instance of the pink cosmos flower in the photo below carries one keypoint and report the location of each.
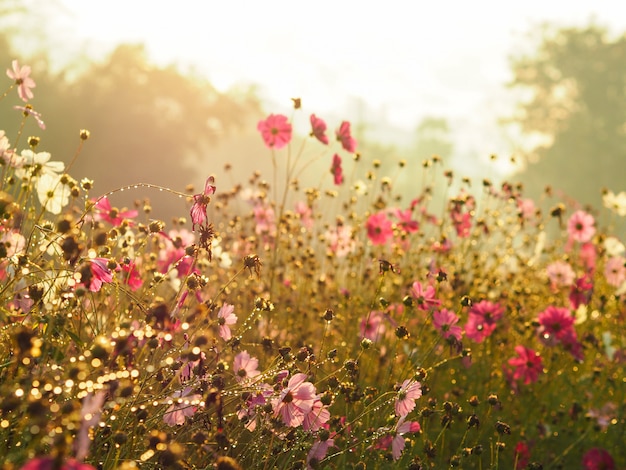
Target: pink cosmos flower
(29, 111)
(184, 406)
(90, 416)
(555, 322)
(275, 130)
(340, 240)
(372, 326)
(406, 222)
(226, 317)
(256, 400)
(295, 400)
(561, 274)
(200, 203)
(132, 276)
(265, 220)
(318, 451)
(318, 129)
(581, 226)
(398, 442)
(22, 80)
(306, 214)
(527, 208)
(245, 367)
(445, 322)
(343, 135)
(52, 463)
(527, 365)
(100, 273)
(379, 228)
(104, 211)
(425, 298)
(318, 416)
(336, 170)
(481, 321)
(598, 459)
(410, 390)
(588, 256)
(615, 271)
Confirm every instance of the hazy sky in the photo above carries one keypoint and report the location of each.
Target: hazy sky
(406, 59)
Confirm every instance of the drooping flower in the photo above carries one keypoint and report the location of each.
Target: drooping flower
(379, 228)
(445, 322)
(226, 317)
(29, 111)
(527, 364)
(24, 83)
(425, 297)
(343, 135)
(295, 400)
(580, 226)
(200, 203)
(318, 129)
(182, 407)
(275, 130)
(398, 442)
(100, 273)
(318, 451)
(245, 367)
(336, 170)
(409, 391)
(598, 459)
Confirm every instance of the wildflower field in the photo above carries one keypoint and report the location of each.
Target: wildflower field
(346, 325)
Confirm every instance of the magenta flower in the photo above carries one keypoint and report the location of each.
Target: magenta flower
(200, 203)
(410, 390)
(555, 322)
(184, 405)
(295, 400)
(580, 292)
(336, 170)
(245, 366)
(226, 317)
(343, 135)
(445, 322)
(527, 365)
(22, 80)
(104, 211)
(598, 459)
(481, 321)
(425, 298)
(371, 326)
(318, 129)
(406, 222)
(379, 228)
(275, 130)
(52, 463)
(580, 226)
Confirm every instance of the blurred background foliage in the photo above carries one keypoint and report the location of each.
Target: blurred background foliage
(160, 125)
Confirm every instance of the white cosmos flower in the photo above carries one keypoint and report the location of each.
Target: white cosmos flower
(39, 164)
(53, 195)
(615, 202)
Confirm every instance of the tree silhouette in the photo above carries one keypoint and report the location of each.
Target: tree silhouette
(577, 105)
